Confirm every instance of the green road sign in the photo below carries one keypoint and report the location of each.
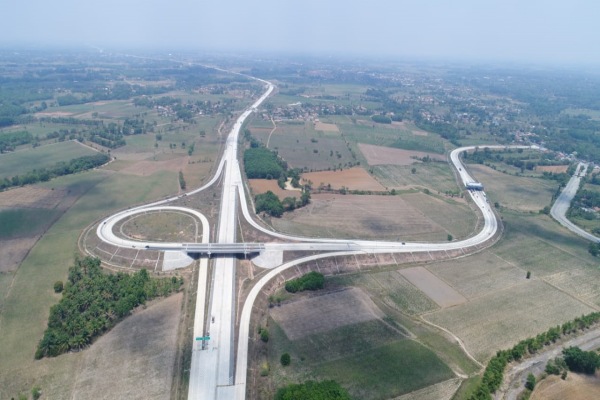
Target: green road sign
(203, 338)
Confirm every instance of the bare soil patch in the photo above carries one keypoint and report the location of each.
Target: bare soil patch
(437, 290)
(136, 359)
(557, 169)
(54, 114)
(147, 167)
(575, 387)
(326, 312)
(260, 186)
(354, 179)
(32, 197)
(380, 155)
(325, 127)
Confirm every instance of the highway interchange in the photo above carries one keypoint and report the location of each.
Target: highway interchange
(214, 373)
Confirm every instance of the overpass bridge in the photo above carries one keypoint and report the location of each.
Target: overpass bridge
(211, 248)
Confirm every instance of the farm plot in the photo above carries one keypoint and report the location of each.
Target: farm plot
(326, 127)
(500, 319)
(518, 193)
(380, 155)
(387, 371)
(259, 186)
(479, 274)
(25, 160)
(435, 176)
(392, 289)
(399, 136)
(135, 359)
(556, 169)
(386, 217)
(352, 179)
(435, 288)
(303, 147)
(411, 217)
(322, 313)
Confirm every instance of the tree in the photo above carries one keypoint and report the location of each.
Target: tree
(528, 274)
(530, 384)
(264, 334)
(285, 359)
(413, 170)
(581, 361)
(269, 203)
(450, 237)
(58, 286)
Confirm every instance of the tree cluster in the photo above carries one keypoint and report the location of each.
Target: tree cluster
(578, 360)
(381, 119)
(59, 169)
(93, 302)
(313, 390)
(310, 281)
(10, 140)
(262, 163)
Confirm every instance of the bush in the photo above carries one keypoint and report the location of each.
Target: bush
(530, 384)
(312, 390)
(264, 334)
(311, 281)
(285, 359)
(58, 287)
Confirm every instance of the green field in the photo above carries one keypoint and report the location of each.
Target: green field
(435, 176)
(40, 157)
(25, 222)
(387, 371)
(370, 359)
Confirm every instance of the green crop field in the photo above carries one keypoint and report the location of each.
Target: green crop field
(387, 371)
(371, 359)
(44, 156)
(20, 222)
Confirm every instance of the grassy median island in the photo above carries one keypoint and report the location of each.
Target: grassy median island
(93, 302)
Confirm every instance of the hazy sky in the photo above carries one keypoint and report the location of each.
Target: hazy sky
(529, 30)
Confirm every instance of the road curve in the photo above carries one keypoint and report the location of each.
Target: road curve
(563, 202)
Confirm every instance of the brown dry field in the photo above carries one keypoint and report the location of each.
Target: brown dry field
(440, 391)
(147, 167)
(354, 179)
(32, 197)
(477, 276)
(500, 319)
(557, 169)
(380, 155)
(408, 217)
(325, 127)
(54, 114)
(435, 288)
(325, 312)
(575, 387)
(360, 217)
(136, 359)
(259, 186)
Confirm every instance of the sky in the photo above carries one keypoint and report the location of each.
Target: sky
(544, 31)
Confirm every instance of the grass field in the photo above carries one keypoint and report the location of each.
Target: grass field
(407, 217)
(24, 314)
(370, 359)
(162, 227)
(40, 157)
(500, 319)
(387, 371)
(435, 176)
(301, 146)
(24, 222)
(517, 193)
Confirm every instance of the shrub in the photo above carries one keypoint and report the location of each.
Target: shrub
(311, 281)
(58, 286)
(285, 359)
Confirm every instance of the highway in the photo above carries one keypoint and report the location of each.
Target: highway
(561, 205)
(213, 374)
